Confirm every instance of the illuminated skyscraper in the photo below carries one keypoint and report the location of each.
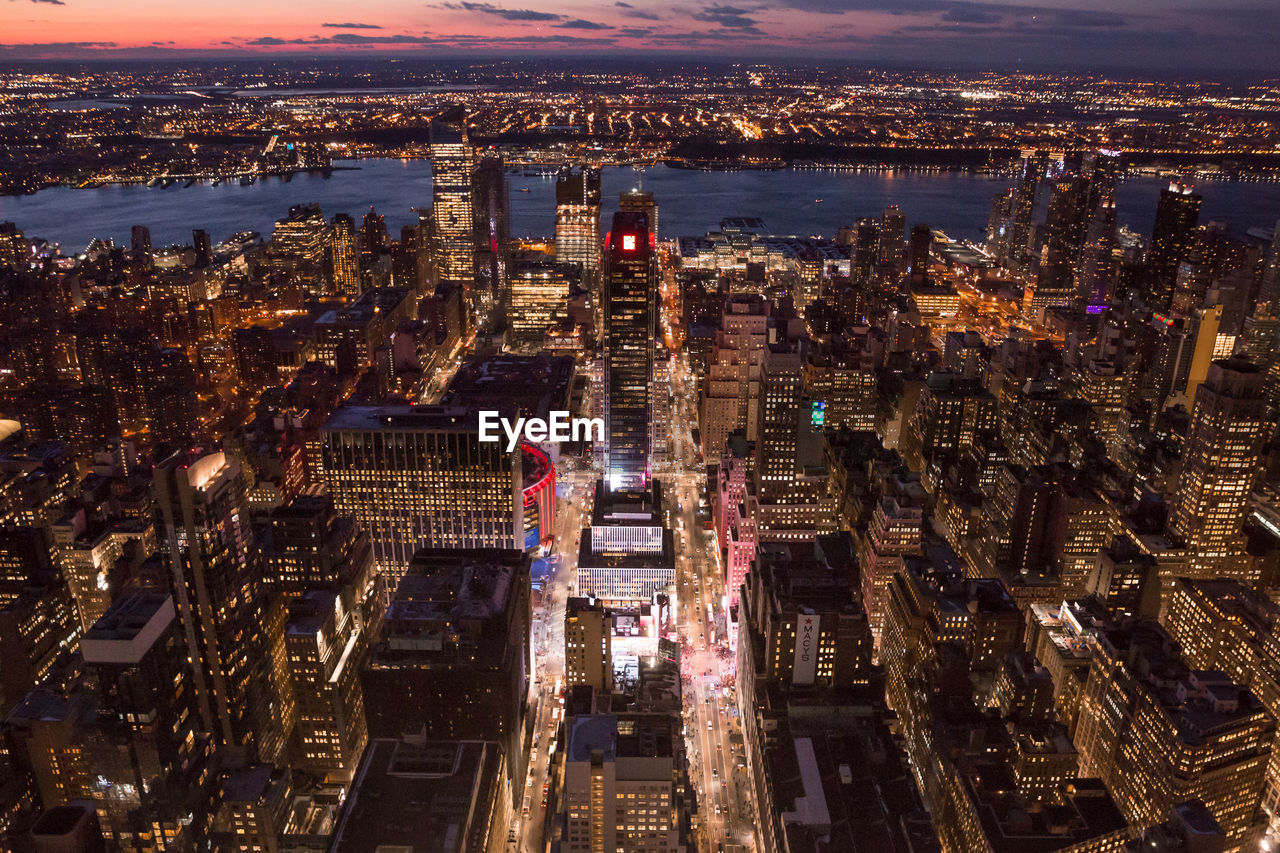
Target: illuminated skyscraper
(298, 245)
(641, 201)
(342, 248)
(578, 219)
(1065, 229)
(893, 227)
(1159, 733)
(1229, 426)
(215, 569)
(451, 211)
(491, 205)
(1177, 214)
(630, 284)
(1033, 166)
(418, 477)
(539, 295)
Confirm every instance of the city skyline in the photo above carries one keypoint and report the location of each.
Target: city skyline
(1079, 35)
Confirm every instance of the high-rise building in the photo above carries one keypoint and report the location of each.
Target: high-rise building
(1177, 214)
(491, 206)
(140, 238)
(1032, 168)
(893, 227)
(1065, 226)
(451, 659)
(1159, 733)
(731, 387)
(578, 219)
(418, 477)
(538, 297)
(1224, 626)
(623, 783)
(588, 644)
(451, 212)
(203, 246)
(298, 243)
(345, 257)
(1229, 426)
(641, 201)
(630, 296)
(326, 641)
(215, 569)
(147, 749)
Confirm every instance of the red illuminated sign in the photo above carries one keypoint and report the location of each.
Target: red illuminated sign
(628, 242)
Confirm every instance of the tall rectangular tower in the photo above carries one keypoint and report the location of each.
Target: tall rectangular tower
(630, 283)
(578, 219)
(451, 210)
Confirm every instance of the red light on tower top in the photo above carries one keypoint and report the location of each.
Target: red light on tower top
(628, 242)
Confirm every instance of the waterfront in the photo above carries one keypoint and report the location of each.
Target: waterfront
(690, 202)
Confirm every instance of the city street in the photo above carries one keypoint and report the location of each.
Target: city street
(725, 813)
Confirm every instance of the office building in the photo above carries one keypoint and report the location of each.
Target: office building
(413, 791)
(418, 477)
(578, 219)
(539, 298)
(730, 399)
(452, 165)
(1177, 214)
(627, 555)
(325, 641)
(344, 256)
(147, 741)
(452, 658)
(232, 628)
(624, 783)
(1159, 732)
(642, 202)
(1229, 426)
(588, 644)
(1224, 626)
(491, 207)
(630, 305)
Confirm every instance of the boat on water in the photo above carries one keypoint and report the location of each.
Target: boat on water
(216, 181)
(191, 182)
(524, 189)
(817, 201)
(153, 182)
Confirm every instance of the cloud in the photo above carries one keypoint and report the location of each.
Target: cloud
(352, 26)
(729, 17)
(500, 12)
(580, 24)
(633, 12)
(49, 3)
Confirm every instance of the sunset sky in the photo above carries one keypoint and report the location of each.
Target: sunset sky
(1213, 35)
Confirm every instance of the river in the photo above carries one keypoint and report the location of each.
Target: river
(689, 202)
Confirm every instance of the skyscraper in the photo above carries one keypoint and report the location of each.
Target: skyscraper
(418, 477)
(342, 250)
(889, 256)
(451, 168)
(1065, 229)
(491, 206)
(641, 201)
(578, 219)
(1177, 215)
(1032, 169)
(1229, 426)
(209, 549)
(630, 283)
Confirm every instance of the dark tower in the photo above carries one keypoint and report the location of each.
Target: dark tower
(630, 279)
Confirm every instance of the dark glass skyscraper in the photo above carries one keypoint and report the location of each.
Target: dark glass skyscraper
(1177, 215)
(630, 282)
